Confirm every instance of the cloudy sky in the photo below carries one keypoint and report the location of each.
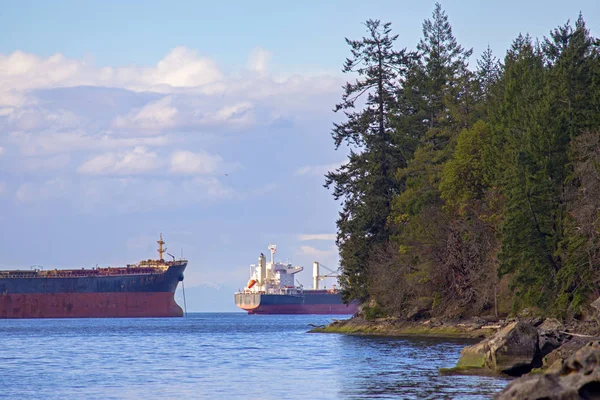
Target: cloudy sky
(206, 121)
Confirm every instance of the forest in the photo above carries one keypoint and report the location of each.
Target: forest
(469, 189)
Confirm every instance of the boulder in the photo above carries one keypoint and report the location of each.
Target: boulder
(512, 350)
(420, 308)
(550, 336)
(577, 378)
(552, 362)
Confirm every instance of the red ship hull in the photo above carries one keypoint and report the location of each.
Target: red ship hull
(89, 305)
(306, 302)
(146, 290)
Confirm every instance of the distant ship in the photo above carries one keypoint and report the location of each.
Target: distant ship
(271, 290)
(145, 289)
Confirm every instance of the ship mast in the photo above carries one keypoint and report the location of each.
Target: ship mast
(273, 248)
(160, 248)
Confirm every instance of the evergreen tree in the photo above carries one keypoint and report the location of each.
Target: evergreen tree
(445, 98)
(459, 181)
(365, 184)
(440, 249)
(488, 74)
(443, 60)
(529, 230)
(572, 56)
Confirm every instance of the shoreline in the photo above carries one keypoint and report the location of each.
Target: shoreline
(434, 328)
(547, 357)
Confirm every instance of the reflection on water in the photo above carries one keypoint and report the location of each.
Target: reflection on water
(408, 369)
(223, 356)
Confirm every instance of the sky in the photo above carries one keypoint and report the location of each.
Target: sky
(208, 122)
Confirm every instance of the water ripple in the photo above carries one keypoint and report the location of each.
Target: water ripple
(223, 356)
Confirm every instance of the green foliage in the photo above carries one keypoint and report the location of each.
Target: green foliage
(365, 184)
(373, 311)
(463, 177)
(474, 187)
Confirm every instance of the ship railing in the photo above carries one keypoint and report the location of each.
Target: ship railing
(80, 273)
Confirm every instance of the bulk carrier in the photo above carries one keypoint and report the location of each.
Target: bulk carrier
(271, 290)
(145, 289)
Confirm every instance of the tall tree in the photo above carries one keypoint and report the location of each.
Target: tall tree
(441, 251)
(443, 61)
(525, 174)
(488, 74)
(365, 184)
(443, 87)
(572, 58)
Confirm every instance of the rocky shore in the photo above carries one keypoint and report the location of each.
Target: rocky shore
(469, 329)
(551, 359)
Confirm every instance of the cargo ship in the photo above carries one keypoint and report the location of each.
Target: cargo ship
(145, 289)
(272, 290)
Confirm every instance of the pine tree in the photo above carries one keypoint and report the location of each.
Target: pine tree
(365, 184)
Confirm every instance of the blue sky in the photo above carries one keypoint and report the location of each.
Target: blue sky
(206, 121)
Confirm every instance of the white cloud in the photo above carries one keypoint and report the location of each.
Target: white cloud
(319, 255)
(136, 194)
(124, 194)
(35, 193)
(258, 60)
(136, 161)
(181, 70)
(235, 113)
(181, 67)
(317, 236)
(12, 98)
(2, 151)
(34, 118)
(113, 122)
(319, 170)
(213, 187)
(187, 162)
(44, 143)
(154, 117)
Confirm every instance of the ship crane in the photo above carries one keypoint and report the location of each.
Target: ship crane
(317, 277)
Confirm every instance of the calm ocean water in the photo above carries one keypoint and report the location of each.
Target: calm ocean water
(222, 356)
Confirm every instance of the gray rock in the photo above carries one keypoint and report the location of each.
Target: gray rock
(552, 362)
(550, 336)
(511, 350)
(577, 378)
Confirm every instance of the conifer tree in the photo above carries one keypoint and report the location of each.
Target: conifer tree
(365, 184)
(445, 92)
(488, 74)
(443, 60)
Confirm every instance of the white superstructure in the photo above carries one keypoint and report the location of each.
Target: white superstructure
(273, 276)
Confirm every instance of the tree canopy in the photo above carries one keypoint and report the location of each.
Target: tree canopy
(470, 189)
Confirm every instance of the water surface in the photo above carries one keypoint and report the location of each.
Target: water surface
(223, 356)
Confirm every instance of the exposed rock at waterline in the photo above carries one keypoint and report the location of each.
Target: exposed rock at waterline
(551, 336)
(552, 362)
(512, 351)
(577, 378)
